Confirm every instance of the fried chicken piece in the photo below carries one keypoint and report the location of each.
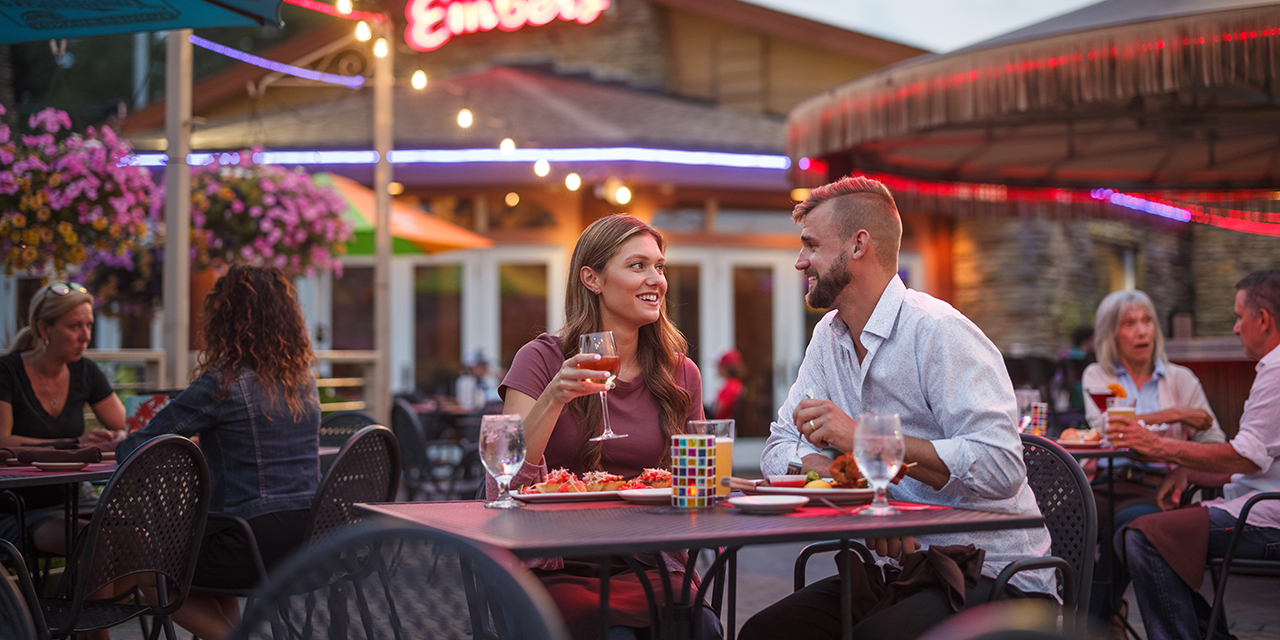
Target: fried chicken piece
(845, 474)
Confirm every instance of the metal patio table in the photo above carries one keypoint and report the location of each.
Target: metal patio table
(19, 477)
(602, 529)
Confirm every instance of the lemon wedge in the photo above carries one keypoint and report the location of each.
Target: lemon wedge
(818, 484)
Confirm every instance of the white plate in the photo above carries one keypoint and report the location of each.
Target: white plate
(836, 496)
(647, 496)
(766, 505)
(59, 466)
(572, 496)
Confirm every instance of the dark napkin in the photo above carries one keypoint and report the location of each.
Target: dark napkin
(87, 454)
(953, 568)
(1182, 538)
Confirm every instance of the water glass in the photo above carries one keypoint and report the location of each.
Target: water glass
(502, 453)
(723, 430)
(878, 448)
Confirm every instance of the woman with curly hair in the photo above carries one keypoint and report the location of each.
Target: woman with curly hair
(255, 407)
(616, 283)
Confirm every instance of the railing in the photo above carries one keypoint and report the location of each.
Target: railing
(150, 363)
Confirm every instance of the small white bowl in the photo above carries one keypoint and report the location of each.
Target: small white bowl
(768, 505)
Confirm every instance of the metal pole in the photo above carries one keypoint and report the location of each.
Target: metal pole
(177, 208)
(379, 396)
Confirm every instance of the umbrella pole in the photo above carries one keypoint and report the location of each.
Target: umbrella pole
(177, 210)
(379, 396)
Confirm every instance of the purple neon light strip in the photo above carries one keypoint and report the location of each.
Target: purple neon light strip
(353, 82)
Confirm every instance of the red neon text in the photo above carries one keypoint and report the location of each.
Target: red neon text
(433, 22)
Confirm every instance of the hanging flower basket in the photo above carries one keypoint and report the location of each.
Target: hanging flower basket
(66, 196)
(265, 215)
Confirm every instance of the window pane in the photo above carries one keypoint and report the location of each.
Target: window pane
(353, 309)
(682, 303)
(523, 291)
(753, 335)
(437, 299)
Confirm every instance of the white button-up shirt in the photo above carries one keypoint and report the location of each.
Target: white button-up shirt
(1258, 440)
(934, 368)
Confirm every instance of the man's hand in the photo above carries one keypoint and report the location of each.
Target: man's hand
(1169, 493)
(893, 547)
(1124, 432)
(824, 424)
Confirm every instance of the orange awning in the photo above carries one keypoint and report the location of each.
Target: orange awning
(411, 228)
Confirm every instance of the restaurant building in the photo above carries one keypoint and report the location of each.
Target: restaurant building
(680, 102)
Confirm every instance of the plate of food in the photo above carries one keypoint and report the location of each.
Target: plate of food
(647, 496)
(1080, 439)
(768, 505)
(562, 485)
(59, 466)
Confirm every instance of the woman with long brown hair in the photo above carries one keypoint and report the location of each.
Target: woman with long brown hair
(255, 407)
(616, 283)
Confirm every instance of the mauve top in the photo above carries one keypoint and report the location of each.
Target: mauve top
(632, 410)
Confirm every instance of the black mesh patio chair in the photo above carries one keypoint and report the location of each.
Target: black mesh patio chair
(1221, 568)
(378, 582)
(148, 521)
(366, 470)
(15, 616)
(435, 469)
(337, 428)
(1065, 499)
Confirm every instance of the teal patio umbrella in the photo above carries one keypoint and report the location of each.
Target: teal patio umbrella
(57, 19)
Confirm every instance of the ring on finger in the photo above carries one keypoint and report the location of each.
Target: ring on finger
(812, 426)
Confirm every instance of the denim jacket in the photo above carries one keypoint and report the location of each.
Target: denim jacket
(260, 459)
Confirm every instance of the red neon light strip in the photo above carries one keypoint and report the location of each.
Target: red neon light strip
(333, 11)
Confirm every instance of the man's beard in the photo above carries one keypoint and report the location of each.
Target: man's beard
(829, 285)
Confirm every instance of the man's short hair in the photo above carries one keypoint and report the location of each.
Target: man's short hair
(860, 203)
(1262, 291)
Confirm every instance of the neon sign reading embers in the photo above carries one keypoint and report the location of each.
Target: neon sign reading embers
(433, 22)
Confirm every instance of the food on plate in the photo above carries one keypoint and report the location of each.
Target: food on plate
(1080, 435)
(655, 478)
(1117, 389)
(845, 474)
(565, 481)
(602, 481)
(811, 476)
(818, 484)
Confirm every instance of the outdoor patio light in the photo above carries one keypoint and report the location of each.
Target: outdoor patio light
(622, 195)
(507, 146)
(542, 168)
(380, 48)
(512, 199)
(344, 6)
(419, 79)
(573, 181)
(465, 118)
(362, 31)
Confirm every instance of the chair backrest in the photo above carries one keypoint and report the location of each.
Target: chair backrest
(379, 582)
(367, 469)
(150, 519)
(15, 618)
(1066, 501)
(408, 429)
(337, 428)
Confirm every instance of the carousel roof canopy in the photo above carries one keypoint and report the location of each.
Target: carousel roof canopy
(1128, 94)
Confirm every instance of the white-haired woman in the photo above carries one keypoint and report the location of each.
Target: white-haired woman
(45, 384)
(1130, 348)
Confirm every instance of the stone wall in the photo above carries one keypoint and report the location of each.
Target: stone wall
(1220, 258)
(1031, 280)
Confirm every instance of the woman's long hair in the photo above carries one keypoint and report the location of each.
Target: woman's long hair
(252, 320)
(661, 349)
(47, 306)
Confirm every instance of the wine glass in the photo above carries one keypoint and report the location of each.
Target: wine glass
(602, 343)
(878, 448)
(502, 453)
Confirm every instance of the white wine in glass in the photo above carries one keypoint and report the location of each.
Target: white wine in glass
(878, 448)
(502, 453)
(602, 344)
